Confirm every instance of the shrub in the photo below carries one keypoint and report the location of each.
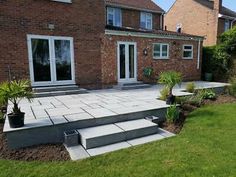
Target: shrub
(232, 87)
(190, 87)
(164, 93)
(195, 100)
(170, 79)
(147, 72)
(172, 114)
(208, 94)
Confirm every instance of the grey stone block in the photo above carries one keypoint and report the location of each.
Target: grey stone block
(71, 138)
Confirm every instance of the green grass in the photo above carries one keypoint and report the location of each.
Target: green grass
(205, 148)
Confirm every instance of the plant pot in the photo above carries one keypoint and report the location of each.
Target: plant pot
(71, 138)
(208, 77)
(170, 100)
(16, 120)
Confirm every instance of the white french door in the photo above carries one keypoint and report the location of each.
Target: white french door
(51, 60)
(127, 61)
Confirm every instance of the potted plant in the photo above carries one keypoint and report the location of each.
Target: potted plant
(14, 92)
(148, 73)
(170, 79)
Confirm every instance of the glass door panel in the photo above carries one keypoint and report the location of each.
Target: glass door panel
(131, 61)
(63, 60)
(122, 62)
(41, 60)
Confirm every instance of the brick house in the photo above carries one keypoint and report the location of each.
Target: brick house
(206, 18)
(92, 43)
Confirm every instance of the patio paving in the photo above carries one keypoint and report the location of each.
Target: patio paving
(96, 104)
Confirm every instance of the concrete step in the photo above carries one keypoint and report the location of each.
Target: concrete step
(132, 85)
(59, 93)
(124, 144)
(113, 133)
(55, 88)
(135, 86)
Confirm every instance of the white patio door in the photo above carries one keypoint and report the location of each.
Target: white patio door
(51, 60)
(127, 62)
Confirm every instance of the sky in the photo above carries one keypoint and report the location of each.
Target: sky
(166, 4)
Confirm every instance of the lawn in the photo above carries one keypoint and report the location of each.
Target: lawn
(206, 147)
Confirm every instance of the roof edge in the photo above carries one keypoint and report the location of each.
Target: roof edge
(133, 8)
(153, 35)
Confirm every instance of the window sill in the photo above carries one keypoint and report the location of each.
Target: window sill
(63, 1)
(154, 58)
(187, 58)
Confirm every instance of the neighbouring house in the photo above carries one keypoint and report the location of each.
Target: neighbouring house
(206, 18)
(92, 43)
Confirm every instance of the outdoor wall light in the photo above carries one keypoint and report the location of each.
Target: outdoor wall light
(145, 52)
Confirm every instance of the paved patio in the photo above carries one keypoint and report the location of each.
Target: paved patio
(96, 104)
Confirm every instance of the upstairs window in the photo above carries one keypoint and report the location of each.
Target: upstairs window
(227, 25)
(146, 20)
(160, 51)
(114, 17)
(187, 51)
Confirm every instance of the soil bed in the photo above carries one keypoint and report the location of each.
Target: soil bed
(55, 152)
(187, 108)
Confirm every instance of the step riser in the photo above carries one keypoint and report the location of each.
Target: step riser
(39, 95)
(103, 140)
(118, 137)
(40, 90)
(135, 87)
(141, 132)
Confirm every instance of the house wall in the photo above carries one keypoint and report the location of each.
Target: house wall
(131, 18)
(175, 62)
(195, 19)
(19, 18)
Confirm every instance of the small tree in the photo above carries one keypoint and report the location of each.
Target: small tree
(170, 79)
(14, 92)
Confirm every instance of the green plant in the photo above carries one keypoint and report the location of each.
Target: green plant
(170, 79)
(148, 71)
(207, 94)
(190, 87)
(232, 87)
(195, 100)
(164, 93)
(172, 114)
(15, 91)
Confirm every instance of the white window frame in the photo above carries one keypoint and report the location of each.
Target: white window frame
(161, 52)
(146, 15)
(51, 40)
(65, 1)
(114, 16)
(187, 50)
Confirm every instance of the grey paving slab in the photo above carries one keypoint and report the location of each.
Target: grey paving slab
(165, 133)
(135, 124)
(77, 117)
(99, 131)
(58, 120)
(100, 112)
(145, 139)
(108, 148)
(77, 152)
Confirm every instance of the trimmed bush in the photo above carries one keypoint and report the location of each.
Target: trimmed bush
(190, 87)
(164, 93)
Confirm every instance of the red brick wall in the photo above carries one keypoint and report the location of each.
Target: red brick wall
(131, 18)
(187, 67)
(195, 19)
(19, 18)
